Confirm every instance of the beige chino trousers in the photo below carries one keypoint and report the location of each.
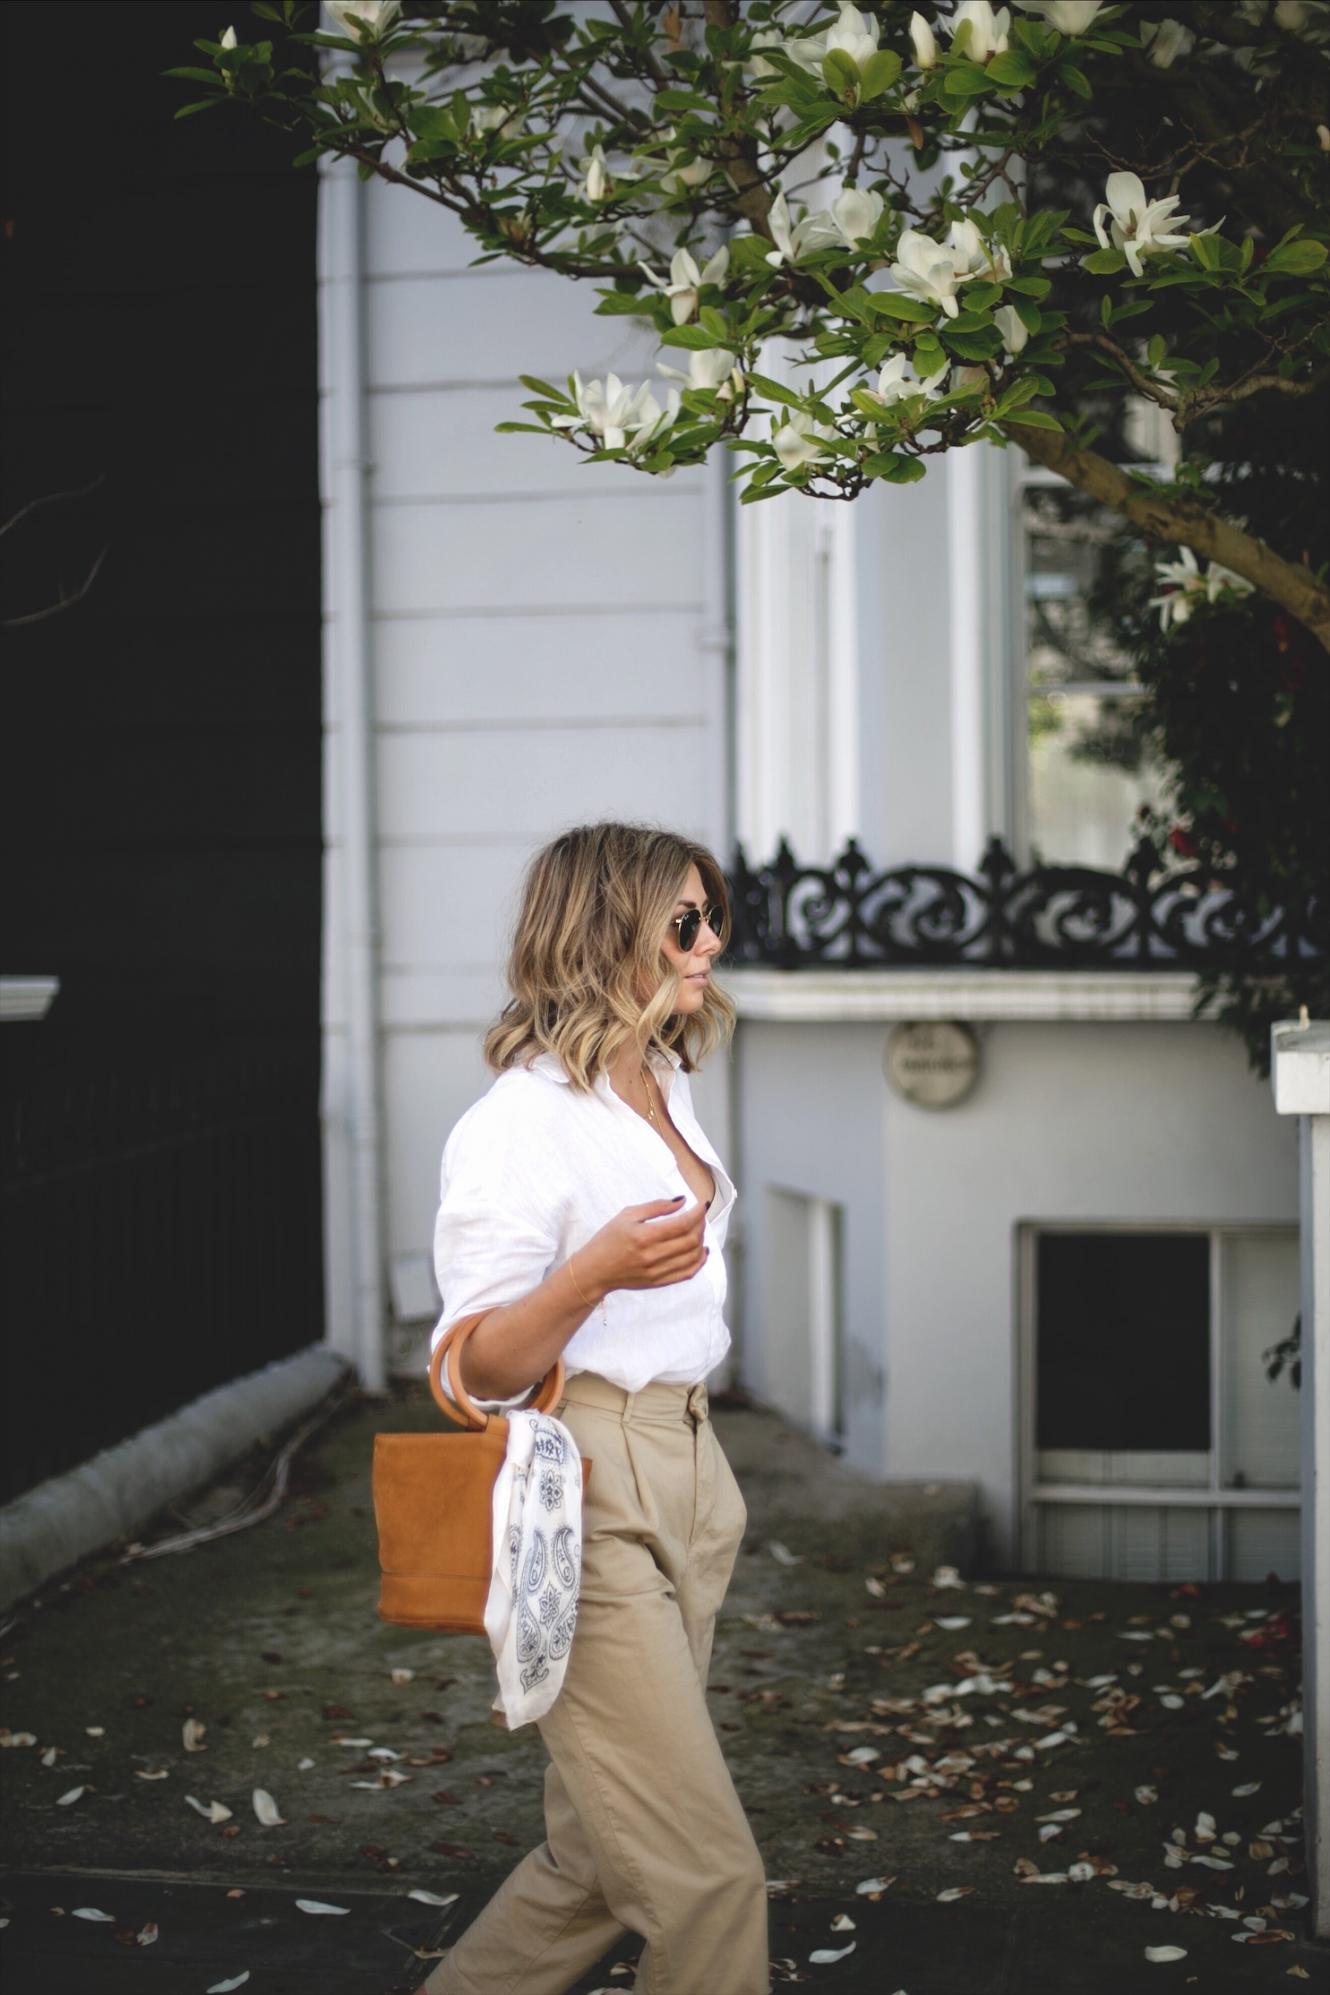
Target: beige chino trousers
(644, 1830)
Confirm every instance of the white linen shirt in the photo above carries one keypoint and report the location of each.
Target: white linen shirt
(536, 1167)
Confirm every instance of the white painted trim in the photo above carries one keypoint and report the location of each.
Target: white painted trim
(351, 1089)
(866, 996)
(821, 1316)
(1172, 1495)
(965, 538)
(1301, 1079)
(26, 997)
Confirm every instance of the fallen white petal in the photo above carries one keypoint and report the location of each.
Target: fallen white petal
(402, 1675)
(72, 1795)
(872, 1884)
(317, 1905)
(148, 1935)
(843, 1923)
(782, 1553)
(225, 1987)
(266, 1809)
(152, 1773)
(432, 1897)
(8, 1738)
(1252, 1787)
(192, 1733)
(304, 1765)
(1166, 1953)
(823, 1956)
(91, 1912)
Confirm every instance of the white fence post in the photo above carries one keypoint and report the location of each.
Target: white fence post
(1300, 1069)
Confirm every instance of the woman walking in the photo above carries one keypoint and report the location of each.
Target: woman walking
(584, 1208)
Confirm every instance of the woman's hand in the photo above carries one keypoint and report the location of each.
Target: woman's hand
(644, 1246)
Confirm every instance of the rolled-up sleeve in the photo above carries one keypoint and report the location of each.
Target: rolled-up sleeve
(495, 1236)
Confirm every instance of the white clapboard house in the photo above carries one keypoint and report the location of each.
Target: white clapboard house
(1044, 1252)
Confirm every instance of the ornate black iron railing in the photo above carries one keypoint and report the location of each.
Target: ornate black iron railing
(847, 916)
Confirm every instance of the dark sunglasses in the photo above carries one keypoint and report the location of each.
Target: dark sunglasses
(688, 924)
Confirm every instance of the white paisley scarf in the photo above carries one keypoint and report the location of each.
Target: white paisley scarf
(537, 1536)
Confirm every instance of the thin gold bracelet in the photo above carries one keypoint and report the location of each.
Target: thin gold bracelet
(577, 1284)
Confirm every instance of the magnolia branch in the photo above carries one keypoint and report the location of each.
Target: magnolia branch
(1184, 521)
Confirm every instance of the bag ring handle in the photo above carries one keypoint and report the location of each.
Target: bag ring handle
(456, 1401)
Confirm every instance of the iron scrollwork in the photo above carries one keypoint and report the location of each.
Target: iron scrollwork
(1150, 915)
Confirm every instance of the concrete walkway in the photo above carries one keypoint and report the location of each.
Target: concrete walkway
(960, 1784)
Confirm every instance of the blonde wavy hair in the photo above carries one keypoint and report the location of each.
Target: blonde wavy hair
(596, 902)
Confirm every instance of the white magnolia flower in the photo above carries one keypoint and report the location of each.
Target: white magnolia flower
(988, 31)
(683, 171)
(1218, 577)
(799, 440)
(1290, 15)
(228, 38)
(685, 280)
(927, 270)
(1188, 586)
(610, 409)
(853, 34)
(964, 378)
(923, 41)
(972, 255)
(655, 420)
(1069, 17)
(896, 381)
(1165, 40)
(1139, 227)
(708, 367)
(596, 168)
(375, 16)
(1323, 137)
(795, 239)
(1012, 327)
(856, 211)
(496, 118)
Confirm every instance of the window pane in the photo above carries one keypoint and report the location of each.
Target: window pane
(1090, 771)
(1122, 1346)
(1091, 762)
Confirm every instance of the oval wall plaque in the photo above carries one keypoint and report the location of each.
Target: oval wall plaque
(933, 1064)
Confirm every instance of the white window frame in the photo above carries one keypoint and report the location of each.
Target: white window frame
(1212, 1495)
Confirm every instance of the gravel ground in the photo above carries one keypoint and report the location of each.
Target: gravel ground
(959, 1782)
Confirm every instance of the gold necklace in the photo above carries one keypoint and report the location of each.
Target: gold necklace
(646, 1088)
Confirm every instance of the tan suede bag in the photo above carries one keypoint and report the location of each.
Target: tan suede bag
(434, 1497)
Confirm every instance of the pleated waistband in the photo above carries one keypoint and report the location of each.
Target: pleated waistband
(661, 1401)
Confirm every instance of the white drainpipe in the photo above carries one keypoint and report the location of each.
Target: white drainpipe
(351, 1088)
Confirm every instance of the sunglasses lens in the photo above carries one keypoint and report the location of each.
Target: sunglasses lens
(688, 928)
(715, 919)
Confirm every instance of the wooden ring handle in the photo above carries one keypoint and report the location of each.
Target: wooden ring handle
(456, 1401)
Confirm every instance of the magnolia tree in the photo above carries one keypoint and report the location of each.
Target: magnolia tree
(950, 223)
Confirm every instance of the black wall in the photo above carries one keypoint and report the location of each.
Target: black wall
(161, 753)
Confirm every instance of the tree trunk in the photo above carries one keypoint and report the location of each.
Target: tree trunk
(1184, 520)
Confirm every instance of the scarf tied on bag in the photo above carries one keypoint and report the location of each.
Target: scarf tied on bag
(531, 1610)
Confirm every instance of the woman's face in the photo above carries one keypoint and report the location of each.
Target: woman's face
(692, 965)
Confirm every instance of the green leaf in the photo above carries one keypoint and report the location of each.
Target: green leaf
(1206, 251)
(894, 468)
(209, 76)
(539, 387)
(879, 73)
(536, 429)
(1034, 419)
(694, 338)
(206, 104)
(1295, 259)
(1031, 287)
(714, 322)
(1075, 79)
(966, 79)
(614, 304)
(1104, 262)
(841, 72)
(752, 493)
(895, 305)
(1013, 68)
(776, 391)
